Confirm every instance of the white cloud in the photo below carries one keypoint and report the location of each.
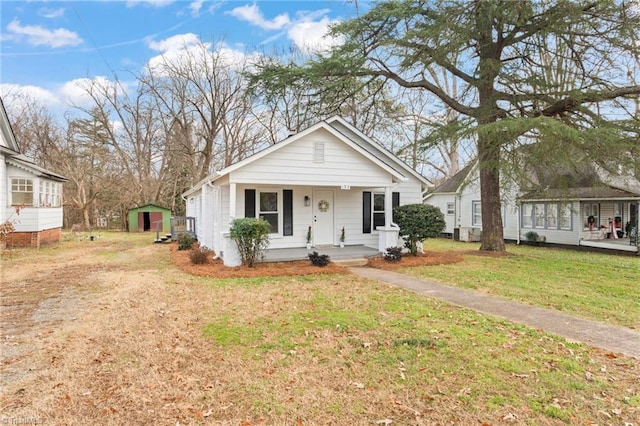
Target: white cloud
(309, 35)
(253, 15)
(308, 30)
(195, 7)
(152, 3)
(16, 96)
(176, 42)
(51, 13)
(189, 49)
(37, 35)
(76, 92)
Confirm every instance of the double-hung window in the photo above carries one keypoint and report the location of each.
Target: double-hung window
(269, 209)
(49, 194)
(378, 210)
(451, 209)
(476, 213)
(565, 216)
(21, 192)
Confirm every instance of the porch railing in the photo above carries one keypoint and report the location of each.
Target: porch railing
(183, 225)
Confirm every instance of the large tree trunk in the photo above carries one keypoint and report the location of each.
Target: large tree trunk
(488, 162)
(488, 144)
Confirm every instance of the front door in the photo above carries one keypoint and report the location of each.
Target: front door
(323, 232)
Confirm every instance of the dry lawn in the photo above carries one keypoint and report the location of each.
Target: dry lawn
(110, 332)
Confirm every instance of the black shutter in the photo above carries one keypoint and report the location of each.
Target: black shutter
(395, 199)
(249, 203)
(366, 212)
(395, 202)
(287, 214)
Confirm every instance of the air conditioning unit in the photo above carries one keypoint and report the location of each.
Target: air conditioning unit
(469, 234)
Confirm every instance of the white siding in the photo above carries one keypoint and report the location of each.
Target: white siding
(31, 219)
(441, 201)
(4, 189)
(294, 163)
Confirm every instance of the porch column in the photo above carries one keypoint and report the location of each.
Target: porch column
(387, 234)
(388, 207)
(232, 201)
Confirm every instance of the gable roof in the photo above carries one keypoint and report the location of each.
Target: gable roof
(9, 147)
(454, 184)
(343, 131)
(8, 139)
(150, 205)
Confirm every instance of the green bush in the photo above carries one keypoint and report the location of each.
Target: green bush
(418, 222)
(393, 254)
(200, 256)
(252, 237)
(532, 237)
(319, 259)
(185, 242)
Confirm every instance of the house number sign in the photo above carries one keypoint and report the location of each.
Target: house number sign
(323, 205)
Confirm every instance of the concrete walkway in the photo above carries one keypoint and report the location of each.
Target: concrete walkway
(608, 337)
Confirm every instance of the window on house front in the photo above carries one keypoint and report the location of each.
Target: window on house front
(451, 208)
(21, 192)
(546, 215)
(538, 215)
(551, 216)
(49, 194)
(268, 209)
(378, 210)
(476, 213)
(565, 216)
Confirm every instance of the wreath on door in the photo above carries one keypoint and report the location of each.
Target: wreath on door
(323, 205)
(591, 220)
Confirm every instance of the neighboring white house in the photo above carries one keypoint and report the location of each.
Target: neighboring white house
(327, 177)
(590, 210)
(34, 191)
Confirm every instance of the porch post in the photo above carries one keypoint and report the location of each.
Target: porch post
(387, 234)
(388, 207)
(232, 201)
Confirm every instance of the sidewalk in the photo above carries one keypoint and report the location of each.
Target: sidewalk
(608, 337)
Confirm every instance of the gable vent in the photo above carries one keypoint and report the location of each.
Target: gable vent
(318, 152)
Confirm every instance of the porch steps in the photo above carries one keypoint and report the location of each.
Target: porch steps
(361, 261)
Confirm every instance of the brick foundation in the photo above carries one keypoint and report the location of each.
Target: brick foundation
(34, 239)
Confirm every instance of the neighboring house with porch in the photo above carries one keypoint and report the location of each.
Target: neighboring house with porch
(327, 177)
(586, 207)
(30, 196)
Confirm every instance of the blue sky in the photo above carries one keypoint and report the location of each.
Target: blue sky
(47, 46)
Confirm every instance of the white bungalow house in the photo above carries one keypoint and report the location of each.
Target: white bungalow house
(587, 207)
(35, 192)
(328, 177)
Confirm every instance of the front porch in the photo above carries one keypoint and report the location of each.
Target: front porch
(620, 244)
(335, 253)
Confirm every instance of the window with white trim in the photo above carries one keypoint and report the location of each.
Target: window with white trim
(21, 191)
(551, 216)
(476, 213)
(546, 215)
(538, 215)
(378, 210)
(50, 194)
(565, 216)
(451, 209)
(268, 209)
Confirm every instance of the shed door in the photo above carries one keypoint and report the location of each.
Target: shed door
(323, 232)
(154, 218)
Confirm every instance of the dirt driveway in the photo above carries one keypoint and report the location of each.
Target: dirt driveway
(95, 329)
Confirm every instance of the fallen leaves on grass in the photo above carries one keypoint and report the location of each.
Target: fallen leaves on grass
(427, 258)
(216, 269)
